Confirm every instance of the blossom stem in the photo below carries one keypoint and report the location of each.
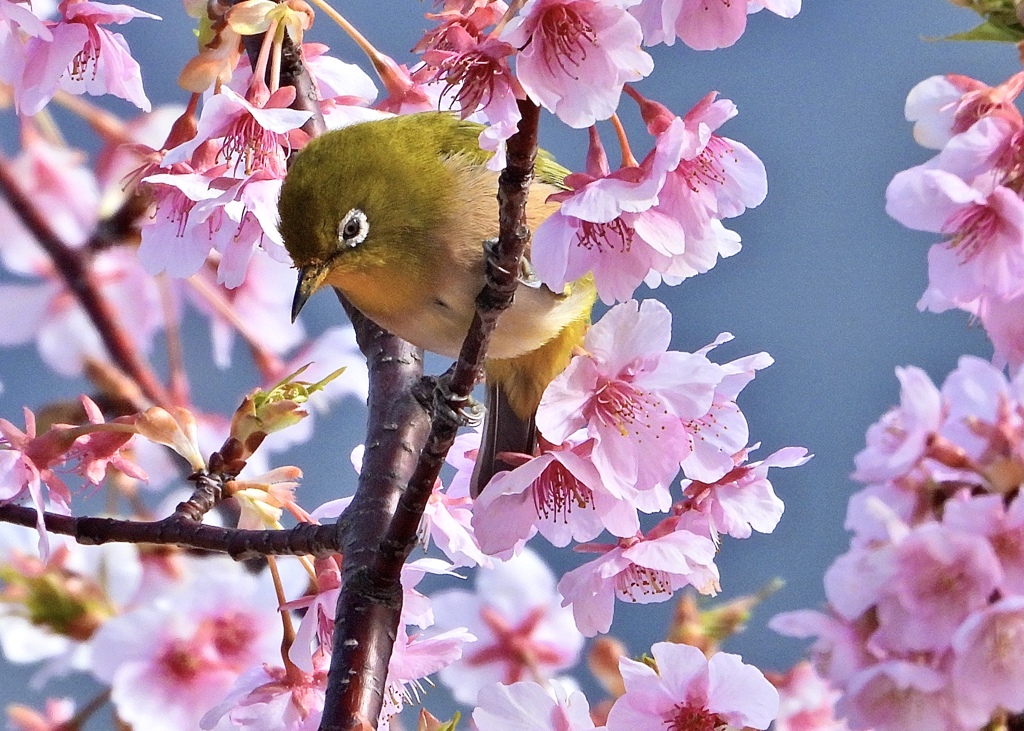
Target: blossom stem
(269, 364)
(78, 720)
(628, 161)
(74, 268)
(513, 8)
(275, 61)
(178, 378)
(108, 126)
(288, 629)
(378, 59)
(259, 71)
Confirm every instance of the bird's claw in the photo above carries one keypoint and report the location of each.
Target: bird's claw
(461, 411)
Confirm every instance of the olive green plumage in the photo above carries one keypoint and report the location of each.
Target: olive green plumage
(394, 213)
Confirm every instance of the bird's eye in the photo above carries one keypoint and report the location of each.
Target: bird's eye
(353, 228)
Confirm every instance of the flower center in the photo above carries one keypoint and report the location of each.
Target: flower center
(641, 580)
(565, 37)
(557, 490)
(622, 406)
(693, 718)
(250, 142)
(708, 168)
(975, 225)
(614, 235)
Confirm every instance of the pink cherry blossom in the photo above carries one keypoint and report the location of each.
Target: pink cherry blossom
(529, 705)
(806, 701)
(638, 570)
(986, 221)
(987, 669)
(576, 55)
(606, 225)
(985, 420)
(1002, 525)
(27, 463)
(252, 135)
(690, 691)
(171, 240)
(941, 577)
(716, 178)
(899, 695)
(897, 442)
(520, 628)
(169, 662)
(560, 494)
(722, 432)
(743, 499)
(241, 223)
(632, 396)
(18, 21)
(1003, 320)
(269, 698)
(476, 70)
(82, 57)
(413, 658)
(839, 651)
(943, 106)
(703, 25)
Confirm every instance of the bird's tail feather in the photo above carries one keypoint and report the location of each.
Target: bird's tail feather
(504, 431)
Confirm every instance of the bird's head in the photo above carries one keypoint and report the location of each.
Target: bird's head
(359, 206)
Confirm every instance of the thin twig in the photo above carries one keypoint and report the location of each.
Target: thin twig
(73, 267)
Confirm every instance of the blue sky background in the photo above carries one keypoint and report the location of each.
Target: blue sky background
(826, 282)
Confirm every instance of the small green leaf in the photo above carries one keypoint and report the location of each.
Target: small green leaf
(990, 30)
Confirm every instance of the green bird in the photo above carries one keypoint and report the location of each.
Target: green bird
(394, 214)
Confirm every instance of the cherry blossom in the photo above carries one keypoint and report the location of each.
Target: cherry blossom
(81, 57)
(576, 55)
(606, 225)
(632, 395)
(529, 705)
(806, 701)
(270, 698)
(986, 221)
(986, 668)
(743, 499)
(639, 570)
(943, 106)
(686, 690)
(560, 494)
(520, 628)
(169, 662)
(898, 441)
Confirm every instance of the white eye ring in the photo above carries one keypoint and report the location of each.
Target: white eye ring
(353, 228)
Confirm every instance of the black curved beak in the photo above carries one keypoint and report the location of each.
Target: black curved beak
(310, 279)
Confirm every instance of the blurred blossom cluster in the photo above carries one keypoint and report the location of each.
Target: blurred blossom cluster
(926, 609)
(177, 217)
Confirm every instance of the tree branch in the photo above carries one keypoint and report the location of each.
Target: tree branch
(377, 539)
(73, 267)
(242, 545)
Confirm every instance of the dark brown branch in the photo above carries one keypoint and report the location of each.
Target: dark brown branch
(73, 267)
(370, 602)
(242, 545)
(378, 539)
